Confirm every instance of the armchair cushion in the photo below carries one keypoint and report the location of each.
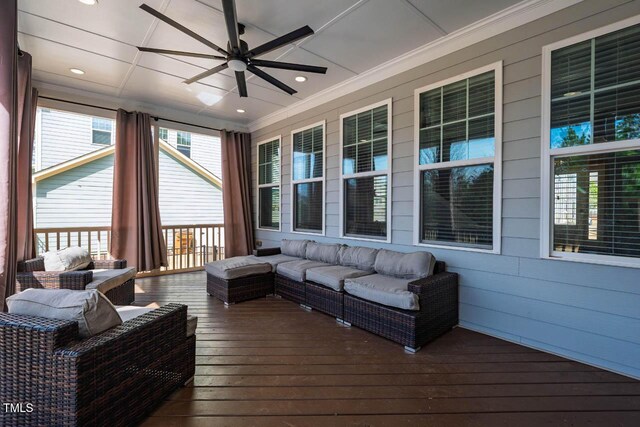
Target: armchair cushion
(385, 290)
(358, 257)
(323, 252)
(69, 259)
(91, 309)
(104, 279)
(296, 248)
(414, 265)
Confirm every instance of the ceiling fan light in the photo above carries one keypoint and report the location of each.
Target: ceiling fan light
(237, 65)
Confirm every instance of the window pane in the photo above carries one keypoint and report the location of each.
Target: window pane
(269, 207)
(454, 102)
(457, 206)
(482, 94)
(364, 157)
(308, 206)
(570, 122)
(430, 108)
(380, 155)
(364, 126)
(307, 154)
(617, 114)
(481, 137)
(370, 152)
(269, 163)
(366, 207)
(596, 204)
(454, 142)
(349, 131)
(571, 70)
(380, 120)
(184, 138)
(349, 160)
(101, 137)
(617, 57)
(430, 145)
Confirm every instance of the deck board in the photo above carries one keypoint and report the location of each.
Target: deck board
(268, 362)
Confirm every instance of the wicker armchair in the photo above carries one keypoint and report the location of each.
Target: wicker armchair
(115, 378)
(31, 274)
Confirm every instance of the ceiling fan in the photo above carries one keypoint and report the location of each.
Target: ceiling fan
(237, 56)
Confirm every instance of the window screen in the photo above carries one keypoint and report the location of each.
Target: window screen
(307, 173)
(269, 185)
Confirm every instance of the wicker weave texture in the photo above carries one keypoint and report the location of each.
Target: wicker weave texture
(290, 289)
(241, 289)
(324, 299)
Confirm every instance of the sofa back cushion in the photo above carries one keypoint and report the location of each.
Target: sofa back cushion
(413, 265)
(296, 248)
(69, 259)
(90, 308)
(358, 257)
(323, 252)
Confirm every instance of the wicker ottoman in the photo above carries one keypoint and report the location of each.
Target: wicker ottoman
(239, 279)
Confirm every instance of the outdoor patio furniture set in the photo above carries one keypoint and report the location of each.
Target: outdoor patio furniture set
(409, 298)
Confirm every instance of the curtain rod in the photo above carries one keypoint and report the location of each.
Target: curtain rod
(156, 118)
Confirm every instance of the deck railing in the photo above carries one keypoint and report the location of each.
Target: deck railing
(189, 246)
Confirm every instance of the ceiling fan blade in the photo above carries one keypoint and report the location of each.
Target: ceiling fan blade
(242, 84)
(231, 19)
(277, 83)
(289, 66)
(206, 73)
(281, 41)
(182, 28)
(180, 53)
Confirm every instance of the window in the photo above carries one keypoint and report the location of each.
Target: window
(591, 147)
(163, 133)
(183, 143)
(269, 185)
(458, 144)
(307, 171)
(101, 130)
(366, 172)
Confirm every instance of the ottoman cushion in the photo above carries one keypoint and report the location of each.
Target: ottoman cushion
(236, 267)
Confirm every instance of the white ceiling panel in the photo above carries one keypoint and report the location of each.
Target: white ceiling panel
(452, 15)
(66, 81)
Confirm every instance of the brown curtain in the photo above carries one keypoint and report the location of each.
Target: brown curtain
(136, 230)
(236, 193)
(8, 148)
(27, 104)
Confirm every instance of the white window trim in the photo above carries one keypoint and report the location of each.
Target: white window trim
(547, 153)
(496, 67)
(389, 103)
(259, 186)
(322, 179)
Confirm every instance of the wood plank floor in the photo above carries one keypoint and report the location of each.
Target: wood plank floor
(267, 362)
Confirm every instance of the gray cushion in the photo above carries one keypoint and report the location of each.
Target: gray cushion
(296, 270)
(358, 257)
(323, 252)
(296, 248)
(414, 265)
(386, 290)
(106, 279)
(274, 260)
(128, 312)
(333, 276)
(90, 308)
(69, 259)
(236, 267)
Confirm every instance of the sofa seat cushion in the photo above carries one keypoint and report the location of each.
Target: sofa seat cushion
(236, 267)
(274, 260)
(93, 312)
(128, 312)
(412, 265)
(106, 279)
(296, 270)
(385, 290)
(333, 276)
(69, 259)
(358, 257)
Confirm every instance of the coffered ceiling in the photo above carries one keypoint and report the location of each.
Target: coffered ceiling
(352, 36)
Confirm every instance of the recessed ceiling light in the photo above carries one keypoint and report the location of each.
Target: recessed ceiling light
(240, 110)
(301, 79)
(89, 2)
(76, 71)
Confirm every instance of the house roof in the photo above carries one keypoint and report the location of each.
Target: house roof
(103, 152)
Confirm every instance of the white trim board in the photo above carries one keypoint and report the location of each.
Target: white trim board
(500, 22)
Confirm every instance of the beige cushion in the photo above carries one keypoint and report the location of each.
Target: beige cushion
(296, 270)
(333, 276)
(106, 279)
(296, 248)
(358, 257)
(414, 265)
(128, 312)
(385, 290)
(90, 308)
(274, 260)
(323, 252)
(236, 267)
(69, 259)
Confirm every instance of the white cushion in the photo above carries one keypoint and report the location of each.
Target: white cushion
(274, 260)
(128, 312)
(69, 259)
(296, 270)
(236, 267)
(296, 248)
(90, 308)
(385, 290)
(323, 252)
(333, 276)
(358, 257)
(413, 265)
(106, 279)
